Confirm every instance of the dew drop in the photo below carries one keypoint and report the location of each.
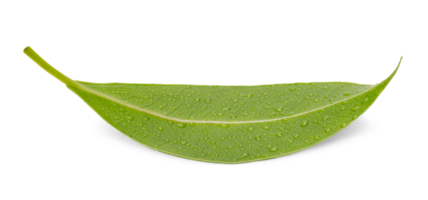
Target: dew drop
(304, 123)
(278, 109)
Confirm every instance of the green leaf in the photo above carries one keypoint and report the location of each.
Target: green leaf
(225, 124)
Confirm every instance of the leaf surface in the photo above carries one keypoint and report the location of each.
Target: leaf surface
(225, 124)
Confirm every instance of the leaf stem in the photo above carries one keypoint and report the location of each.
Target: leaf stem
(46, 66)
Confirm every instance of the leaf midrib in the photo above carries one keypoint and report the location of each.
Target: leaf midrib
(110, 98)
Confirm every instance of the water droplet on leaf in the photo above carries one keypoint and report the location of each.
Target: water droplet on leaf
(304, 123)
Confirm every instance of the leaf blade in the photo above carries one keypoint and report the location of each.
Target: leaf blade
(303, 116)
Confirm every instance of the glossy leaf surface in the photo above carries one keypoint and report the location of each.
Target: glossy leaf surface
(225, 124)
